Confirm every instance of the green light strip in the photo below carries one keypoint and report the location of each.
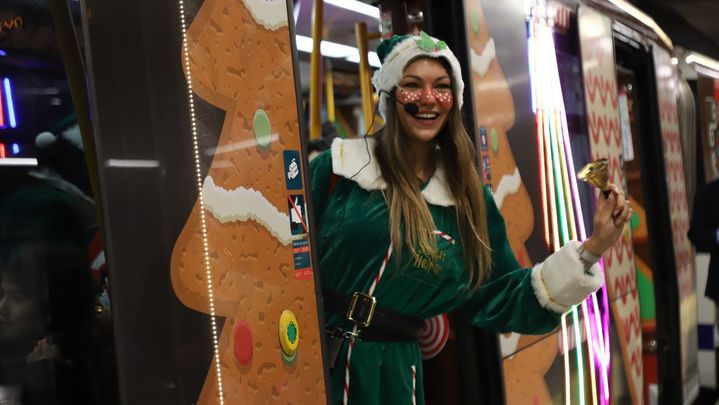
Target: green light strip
(565, 178)
(550, 171)
(578, 348)
(588, 331)
(560, 174)
(565, 355)
(558, 186)
(559, 190)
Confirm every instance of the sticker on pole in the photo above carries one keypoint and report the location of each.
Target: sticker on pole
(298, 216)
(301, 253)
(293, 175)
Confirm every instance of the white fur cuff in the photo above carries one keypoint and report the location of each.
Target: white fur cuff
(561, 281)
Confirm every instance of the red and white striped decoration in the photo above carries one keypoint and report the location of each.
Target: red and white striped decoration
(434, 336)
(347, 369)
(98, 267)
(444, 236)
(441, 324)
(381, 270)
(414, 385)
(345, 397)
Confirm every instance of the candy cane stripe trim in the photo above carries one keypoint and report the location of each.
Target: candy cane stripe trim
(444, 236)
(414, 385)
(382, 268)
(345, 397)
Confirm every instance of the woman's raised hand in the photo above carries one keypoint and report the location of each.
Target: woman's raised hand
(613, 212)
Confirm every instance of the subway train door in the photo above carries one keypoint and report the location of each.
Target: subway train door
(206, 199)
(648, 182)
(630, 100)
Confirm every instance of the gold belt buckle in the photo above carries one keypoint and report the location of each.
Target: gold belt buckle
(356, 297)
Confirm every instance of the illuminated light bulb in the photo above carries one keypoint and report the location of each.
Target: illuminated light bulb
(206, 258)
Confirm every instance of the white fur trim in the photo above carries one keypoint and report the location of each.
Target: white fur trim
(272, 14)
(560, 281)
(243, 204)
(350, 160)
(437, 190)
(508, 185)
(481, 63)
(387, 77)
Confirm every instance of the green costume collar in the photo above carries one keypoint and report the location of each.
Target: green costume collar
(349, 160)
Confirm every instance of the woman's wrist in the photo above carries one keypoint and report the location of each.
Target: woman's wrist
(591, 247)
(587, 255)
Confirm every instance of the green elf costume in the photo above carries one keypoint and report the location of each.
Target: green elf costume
(378, 364)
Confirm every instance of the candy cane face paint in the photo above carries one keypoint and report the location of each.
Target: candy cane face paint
(427, 84)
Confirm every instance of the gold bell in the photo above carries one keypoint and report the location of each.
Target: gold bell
(596, 173)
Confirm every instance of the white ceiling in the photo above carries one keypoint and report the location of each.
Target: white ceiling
(338, 26)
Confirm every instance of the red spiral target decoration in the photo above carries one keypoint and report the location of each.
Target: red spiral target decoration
(434, 336)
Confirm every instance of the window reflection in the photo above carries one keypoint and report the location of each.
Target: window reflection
(55, 331)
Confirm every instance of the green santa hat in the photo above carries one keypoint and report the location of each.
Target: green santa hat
(396, 52)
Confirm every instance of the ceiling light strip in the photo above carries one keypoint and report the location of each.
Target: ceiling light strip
(356, 6)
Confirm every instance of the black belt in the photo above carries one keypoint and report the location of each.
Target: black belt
(374, 323)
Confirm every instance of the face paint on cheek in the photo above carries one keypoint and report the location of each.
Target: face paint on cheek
(444, 100)
(404, 96)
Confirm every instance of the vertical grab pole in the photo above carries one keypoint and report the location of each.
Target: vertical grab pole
(76, 76)
(315, 77)
(329, 92)
(364, 74)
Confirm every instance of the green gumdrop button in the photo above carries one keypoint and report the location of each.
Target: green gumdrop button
(635, 222)
(289, 359)
(475, 22)
(292, 332)
(262, 128)
(494, 140)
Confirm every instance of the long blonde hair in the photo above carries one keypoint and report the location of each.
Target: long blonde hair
(408, 211)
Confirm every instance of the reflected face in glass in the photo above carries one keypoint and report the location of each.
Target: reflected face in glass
(426, 83)
(20, 311)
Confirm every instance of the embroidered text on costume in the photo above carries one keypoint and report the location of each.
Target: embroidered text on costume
(426, 261)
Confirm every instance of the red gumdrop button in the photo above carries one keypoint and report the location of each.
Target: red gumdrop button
(243, 342)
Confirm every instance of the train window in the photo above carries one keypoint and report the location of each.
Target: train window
(56, 334)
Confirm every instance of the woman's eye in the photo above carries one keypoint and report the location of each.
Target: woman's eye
(411, 85)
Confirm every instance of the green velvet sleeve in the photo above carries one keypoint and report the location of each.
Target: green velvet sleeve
(506, 301)
(320, 173)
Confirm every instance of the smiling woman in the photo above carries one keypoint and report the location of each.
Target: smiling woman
(407, 232)
(427, 84)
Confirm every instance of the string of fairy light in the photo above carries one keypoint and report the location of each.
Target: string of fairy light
(203, 221)
(563, 218)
